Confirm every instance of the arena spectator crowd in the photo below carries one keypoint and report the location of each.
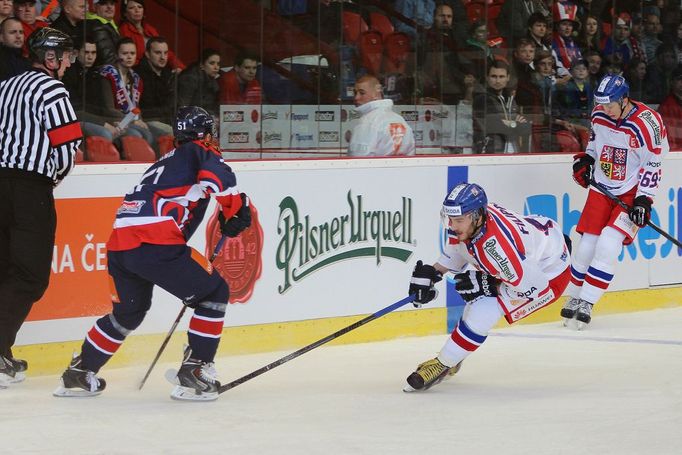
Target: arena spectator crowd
(550, 54)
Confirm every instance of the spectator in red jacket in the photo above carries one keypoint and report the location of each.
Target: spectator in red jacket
(134, 26)
(239, 85)
(671, 110)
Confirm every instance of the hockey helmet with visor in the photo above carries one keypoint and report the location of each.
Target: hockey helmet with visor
(46, 39)
(464, 198)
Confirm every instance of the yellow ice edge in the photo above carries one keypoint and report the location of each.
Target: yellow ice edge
(51, 358)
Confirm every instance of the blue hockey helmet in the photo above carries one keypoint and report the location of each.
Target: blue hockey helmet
(611, 88)
(192, 123)
(464, 198)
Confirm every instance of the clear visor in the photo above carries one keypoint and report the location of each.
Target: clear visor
(450, 212)
(60, 55)
(68, 54)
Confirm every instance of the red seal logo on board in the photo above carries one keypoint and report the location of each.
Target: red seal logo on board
(240, 260)
(254, 116)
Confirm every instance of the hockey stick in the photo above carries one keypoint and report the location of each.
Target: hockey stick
(318, 343)
(618, 201)
(217, 249)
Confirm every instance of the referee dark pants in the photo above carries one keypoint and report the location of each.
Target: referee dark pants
(27, 230)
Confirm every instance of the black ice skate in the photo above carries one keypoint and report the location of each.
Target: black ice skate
(196, 380)
(577, 313)
(428, 374)
(584, 314)
(11, 371)
(78, 382)
(570, 309)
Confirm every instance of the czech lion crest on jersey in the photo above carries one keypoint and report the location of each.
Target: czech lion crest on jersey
(613, 161)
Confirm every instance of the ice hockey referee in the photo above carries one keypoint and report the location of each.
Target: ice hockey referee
(39, 135)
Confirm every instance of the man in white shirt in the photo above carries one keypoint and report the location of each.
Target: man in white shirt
(380, 131)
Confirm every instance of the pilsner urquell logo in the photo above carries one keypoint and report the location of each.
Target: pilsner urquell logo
(306, 246)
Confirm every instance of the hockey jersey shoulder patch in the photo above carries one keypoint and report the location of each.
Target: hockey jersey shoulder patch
(652, 129)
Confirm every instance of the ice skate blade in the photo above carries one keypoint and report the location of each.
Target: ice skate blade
(574, 324)
(581, 325)
(181, 393)
(63, 392)
(7, 380)
(407, 388)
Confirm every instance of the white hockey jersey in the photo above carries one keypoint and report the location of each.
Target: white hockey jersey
(524, 252)
(381, 132)
(628, 152)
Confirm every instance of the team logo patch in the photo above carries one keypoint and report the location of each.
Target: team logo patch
(649, 118)
(240, 260)
(506, 269)
(130, 207)
(613, 161)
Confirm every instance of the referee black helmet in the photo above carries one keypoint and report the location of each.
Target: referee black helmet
(46, 39)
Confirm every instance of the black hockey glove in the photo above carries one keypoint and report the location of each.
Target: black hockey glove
(424, 277)
(474, 284)
(640, 212)
(583, 165)
(240, 221)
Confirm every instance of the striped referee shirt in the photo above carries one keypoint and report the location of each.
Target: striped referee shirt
(39, 131)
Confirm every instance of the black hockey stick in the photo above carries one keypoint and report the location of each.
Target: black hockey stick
(318, 343)
(216, 251)
(618, 201)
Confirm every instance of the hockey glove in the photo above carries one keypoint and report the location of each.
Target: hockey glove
(640, 212)
(240, 221)
(583, 165)
(424, 277)
(475, 284)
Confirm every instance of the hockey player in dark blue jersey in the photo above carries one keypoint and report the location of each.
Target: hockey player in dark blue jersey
(148, 247)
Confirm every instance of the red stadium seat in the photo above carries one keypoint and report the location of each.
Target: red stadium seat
(137, 149)
(396, 49)
(353, 26)
(166, 143)
(100, 149)
(80, 156)
(380, 23)
(371, 49)
(568, 142)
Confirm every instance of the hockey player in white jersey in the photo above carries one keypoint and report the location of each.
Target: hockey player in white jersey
(505, 265)
(627, 145)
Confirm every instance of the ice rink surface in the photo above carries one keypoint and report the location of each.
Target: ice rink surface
(615, 388)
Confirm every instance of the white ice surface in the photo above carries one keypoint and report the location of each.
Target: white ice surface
(615, 388)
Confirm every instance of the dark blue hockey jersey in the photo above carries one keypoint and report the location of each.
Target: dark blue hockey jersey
(169, 203)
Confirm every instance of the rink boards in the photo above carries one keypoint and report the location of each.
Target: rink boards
(334, 239)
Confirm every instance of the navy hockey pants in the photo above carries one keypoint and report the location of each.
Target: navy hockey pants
(178, 269)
